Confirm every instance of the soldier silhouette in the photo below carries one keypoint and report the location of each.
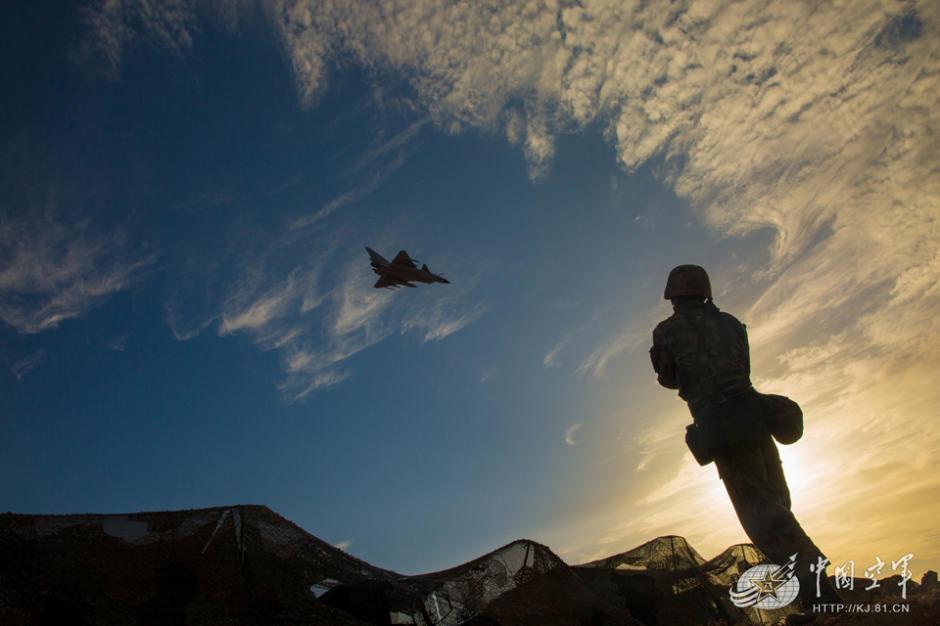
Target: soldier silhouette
(703, 353)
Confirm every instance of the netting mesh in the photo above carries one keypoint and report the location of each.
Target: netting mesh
(456, 595)
(688, 593)
(725, 569)
(669, 553)
(247, 564)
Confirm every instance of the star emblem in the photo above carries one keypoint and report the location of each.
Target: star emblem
(767, 585)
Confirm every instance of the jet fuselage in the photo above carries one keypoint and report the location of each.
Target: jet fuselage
(401, 271)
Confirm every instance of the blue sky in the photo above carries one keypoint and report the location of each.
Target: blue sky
(188, 316)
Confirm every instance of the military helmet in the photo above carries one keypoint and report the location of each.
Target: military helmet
(687, 280)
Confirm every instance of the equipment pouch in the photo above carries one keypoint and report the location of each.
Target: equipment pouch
(693, 439)
(783, 417)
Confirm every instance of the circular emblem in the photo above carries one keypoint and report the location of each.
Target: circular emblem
(765, 586)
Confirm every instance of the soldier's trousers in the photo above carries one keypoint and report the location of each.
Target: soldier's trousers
(753, 477)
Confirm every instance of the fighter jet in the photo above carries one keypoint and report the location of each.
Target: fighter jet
(400, 271)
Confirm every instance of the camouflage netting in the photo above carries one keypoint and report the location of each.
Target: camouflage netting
(248, 565)
(449, 597)
(680, 589)
(236, 564)
(669, 553)
(454, 596)
(725, 569)
(240, 564)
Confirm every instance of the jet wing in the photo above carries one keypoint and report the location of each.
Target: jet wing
(402, 258)
(375, 257)
(394, 283)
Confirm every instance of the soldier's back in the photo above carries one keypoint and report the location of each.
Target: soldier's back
(709, 349)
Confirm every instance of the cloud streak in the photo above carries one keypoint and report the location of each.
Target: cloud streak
(111, 25)
(440, 319)
(570, 432)
(52, 271)
(28, 363)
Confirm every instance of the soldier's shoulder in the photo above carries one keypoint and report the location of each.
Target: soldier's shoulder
(668, 324)
(731, 318)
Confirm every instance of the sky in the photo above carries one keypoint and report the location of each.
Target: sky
(187, 317)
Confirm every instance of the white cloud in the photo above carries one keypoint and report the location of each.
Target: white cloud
(635, 334)
(376, 158)
(52, 271)
(551, 357)
(353, 195)
(350, 323)
(113, 24)
(316, 381)
(569, 433)
(445, 329)
(440, 319)
(259, 311)
(358, 316)
(395, 143)
(344, 545)
(359, 303)
(28, 363)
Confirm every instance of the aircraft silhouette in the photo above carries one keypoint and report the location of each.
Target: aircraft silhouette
(400, 270)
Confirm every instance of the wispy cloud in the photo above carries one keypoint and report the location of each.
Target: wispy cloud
(396, 142)
(350, 321)
(52, 270)
(317, 380)
(570, 432)
(343, 545)
(441, 319)
(259, 311)
(119, 343)
(323, 310)
(111, 25)
(383, 160)
(358, 303)
(551, 357)
(635, 334)
(358, 316)
(353, 195)
(28, 363)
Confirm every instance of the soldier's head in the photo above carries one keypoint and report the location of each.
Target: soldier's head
(687, 283)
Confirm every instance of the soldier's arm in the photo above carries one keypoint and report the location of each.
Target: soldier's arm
(663, 363)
